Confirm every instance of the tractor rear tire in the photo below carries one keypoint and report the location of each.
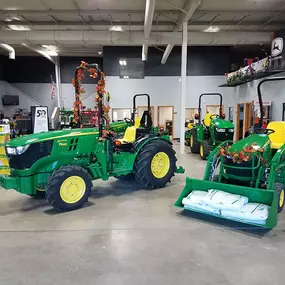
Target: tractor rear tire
(155, 164)
(205, 149)
(68, 188)
(193, 142)
(280, 189)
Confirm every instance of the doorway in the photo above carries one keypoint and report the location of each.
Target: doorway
(214, 109)
(243, 119)
(190, 114)
(141, 109)
(119, 114)
(165, 119)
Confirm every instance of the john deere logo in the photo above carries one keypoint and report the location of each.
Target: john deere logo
(277, 46)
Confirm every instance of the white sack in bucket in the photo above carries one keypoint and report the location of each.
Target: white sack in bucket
(225, 201)
(195, 201)
(251, 212)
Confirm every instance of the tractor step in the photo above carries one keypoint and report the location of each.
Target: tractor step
(255, 195)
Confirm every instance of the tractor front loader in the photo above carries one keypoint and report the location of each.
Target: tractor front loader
(62, 164)
(211, 131)
(253, 167)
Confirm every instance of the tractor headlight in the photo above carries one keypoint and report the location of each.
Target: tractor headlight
(221, 130)
(17, 150)
(231, 130)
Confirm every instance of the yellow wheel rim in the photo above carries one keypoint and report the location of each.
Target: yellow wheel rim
(160, 165)
(191, 141)
(72, 189)
(201, 150)
(281, 199)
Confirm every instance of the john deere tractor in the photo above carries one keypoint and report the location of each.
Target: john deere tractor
(210, 131)
(252, 167)
(62, 164)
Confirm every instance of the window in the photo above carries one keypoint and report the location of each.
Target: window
(118, 114)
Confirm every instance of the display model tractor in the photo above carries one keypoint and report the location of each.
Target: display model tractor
(210, 131)
(189, 124)
(256, 164)
(63, 163)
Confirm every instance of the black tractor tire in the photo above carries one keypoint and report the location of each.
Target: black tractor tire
(193, 142)
(143, 164)
(128, 177)
(280, 189)
(205, 149)
(53, 189)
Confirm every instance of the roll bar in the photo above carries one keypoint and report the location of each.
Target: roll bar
(134, 104)
(210, 94)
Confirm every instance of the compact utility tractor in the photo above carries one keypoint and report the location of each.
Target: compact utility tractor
(210, 131)
(64, 163)
(189, 124)
(255, 163)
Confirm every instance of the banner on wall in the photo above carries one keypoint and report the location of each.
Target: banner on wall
(278, 51)
(39, 119)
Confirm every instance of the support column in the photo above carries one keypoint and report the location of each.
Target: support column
(183, 86)
(58, 82)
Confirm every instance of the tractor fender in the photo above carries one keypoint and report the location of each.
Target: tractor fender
(143, 141)
(200, 133)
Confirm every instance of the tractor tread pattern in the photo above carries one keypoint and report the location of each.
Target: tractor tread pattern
(142, 164)
(206, 149)
(56, 179)
(278, 188)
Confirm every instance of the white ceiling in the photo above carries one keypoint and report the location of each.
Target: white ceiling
(81, 27)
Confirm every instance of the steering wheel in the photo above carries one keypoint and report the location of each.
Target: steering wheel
(127, 120)
(214, 116)
(262, 131)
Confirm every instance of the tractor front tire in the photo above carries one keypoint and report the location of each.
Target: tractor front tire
(193, 141)
(280, 189)
(68, 188)
(155, 164)
(205, 149)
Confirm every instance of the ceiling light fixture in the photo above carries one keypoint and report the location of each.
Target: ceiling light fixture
(100, 52)
(116, 29)
(212, 29)
(126, 76)
(19, 28)
(123, 62)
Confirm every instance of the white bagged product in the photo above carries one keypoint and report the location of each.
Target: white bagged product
(251, 212)
(195, 201)
(225, 201)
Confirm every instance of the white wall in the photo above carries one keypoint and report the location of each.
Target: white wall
(30, 94)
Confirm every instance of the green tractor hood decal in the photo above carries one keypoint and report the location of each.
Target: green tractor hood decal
(40, 137)
(259, 140)
(222, 124)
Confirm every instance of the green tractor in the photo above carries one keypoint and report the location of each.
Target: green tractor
(62, 164)
(213, 130)
(253, 167)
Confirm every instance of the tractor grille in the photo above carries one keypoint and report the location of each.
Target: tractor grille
(31, 155)
(223, 136)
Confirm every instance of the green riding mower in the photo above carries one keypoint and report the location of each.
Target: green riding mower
(62, 164)
(209, 133)
(255, 163)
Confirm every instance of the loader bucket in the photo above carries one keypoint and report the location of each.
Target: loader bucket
(255, 195)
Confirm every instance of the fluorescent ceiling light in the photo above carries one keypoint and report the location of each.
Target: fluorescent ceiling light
(212, 29)
(123, 62)
(116, 29)
(19, 28)
(126, 76)
(99, 52)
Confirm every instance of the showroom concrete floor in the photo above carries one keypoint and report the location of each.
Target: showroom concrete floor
(131, 236)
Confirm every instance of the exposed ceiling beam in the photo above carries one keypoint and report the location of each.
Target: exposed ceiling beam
(148, 19)
(190, 7)
(136, 38)
(82, 12)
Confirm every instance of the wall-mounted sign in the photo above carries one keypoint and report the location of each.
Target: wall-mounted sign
(265, 103)
(277, 46)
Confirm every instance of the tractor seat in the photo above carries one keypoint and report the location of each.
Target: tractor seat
(278, 138)
(129, 136)
(207, 120)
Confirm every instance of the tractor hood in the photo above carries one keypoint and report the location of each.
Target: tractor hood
(222, 124)
(259, 140)
(40, 137)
